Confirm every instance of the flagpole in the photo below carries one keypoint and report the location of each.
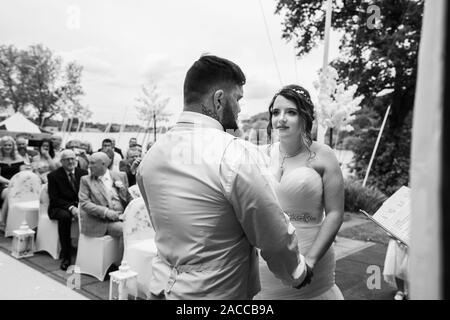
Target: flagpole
(376, 146)
(328, 7)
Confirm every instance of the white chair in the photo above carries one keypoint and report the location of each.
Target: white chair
(134, 191)
(23, 201)
(139, 244)
(47, 237)
(96, 254)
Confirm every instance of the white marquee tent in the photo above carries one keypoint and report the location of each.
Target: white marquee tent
(18, 123)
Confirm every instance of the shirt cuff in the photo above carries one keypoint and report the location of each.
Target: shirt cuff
(299, 273)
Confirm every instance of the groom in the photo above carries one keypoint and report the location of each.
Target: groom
(210, 203)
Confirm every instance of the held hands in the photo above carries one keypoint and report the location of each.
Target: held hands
(307, 280)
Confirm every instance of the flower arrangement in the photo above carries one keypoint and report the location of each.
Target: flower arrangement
(336, 104)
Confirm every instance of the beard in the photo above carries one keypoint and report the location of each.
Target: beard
(228, 120)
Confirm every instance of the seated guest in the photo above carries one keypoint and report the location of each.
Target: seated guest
(57, 145)
(107, 144)
(103, 197)
(132, 142)
(138, 147)
(44, 162)
(115, 149)
(130, 164)
(63, 187)
(10, 164)
(82, 159)
(87, 146)
(22, 148)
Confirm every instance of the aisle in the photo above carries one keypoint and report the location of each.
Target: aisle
(21, 282)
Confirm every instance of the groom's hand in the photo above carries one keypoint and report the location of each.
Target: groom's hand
(307, 280)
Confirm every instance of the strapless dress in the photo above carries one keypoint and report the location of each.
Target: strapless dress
(300, 193)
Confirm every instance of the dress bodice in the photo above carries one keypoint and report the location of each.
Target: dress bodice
(8, 170)
(300, 194)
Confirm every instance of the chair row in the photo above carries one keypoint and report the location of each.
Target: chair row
(94, 255)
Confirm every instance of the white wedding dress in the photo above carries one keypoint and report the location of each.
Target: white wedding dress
(300, 192)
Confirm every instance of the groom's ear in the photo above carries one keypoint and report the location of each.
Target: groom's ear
(218, 99)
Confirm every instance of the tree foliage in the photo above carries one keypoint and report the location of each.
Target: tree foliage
(35, 81)
(375, 57)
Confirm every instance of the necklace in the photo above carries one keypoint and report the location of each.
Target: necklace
(285, 156)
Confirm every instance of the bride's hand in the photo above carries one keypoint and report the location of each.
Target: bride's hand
(310, 262)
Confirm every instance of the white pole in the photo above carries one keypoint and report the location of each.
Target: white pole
(327, 33)
(376, 145)
(322, 130)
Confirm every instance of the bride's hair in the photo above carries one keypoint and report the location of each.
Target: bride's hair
(302, 100)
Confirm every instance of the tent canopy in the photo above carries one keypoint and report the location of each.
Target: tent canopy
(18, 123)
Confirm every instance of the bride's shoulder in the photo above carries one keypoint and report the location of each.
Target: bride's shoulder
(323, 152)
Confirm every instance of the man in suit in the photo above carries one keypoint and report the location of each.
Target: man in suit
(63, 187)
(103, 198)
(116, 149)
(210, 202)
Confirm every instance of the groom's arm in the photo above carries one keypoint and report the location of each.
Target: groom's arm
(247, 185)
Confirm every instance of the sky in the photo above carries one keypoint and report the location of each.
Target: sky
(123, 45)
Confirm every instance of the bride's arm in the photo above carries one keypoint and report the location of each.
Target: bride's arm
(333, 195)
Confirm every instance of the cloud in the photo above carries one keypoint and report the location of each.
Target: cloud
(91, 58)
(257, 88)
(157, 66)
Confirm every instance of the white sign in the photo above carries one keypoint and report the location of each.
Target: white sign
(394, 215)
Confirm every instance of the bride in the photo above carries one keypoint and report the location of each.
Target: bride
(309, 187)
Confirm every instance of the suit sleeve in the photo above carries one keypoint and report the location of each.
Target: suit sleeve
(248, 185)
(54, 194)
(85, 202)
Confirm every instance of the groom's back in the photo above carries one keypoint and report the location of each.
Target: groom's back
(194, 222)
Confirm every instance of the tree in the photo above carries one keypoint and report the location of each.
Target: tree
(12, 74)
(375, 57)
(34, 81)
(151, 106)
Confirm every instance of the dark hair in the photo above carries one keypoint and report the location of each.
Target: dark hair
(302, 100)
(107, 141)
(51, 150)
(208, 72)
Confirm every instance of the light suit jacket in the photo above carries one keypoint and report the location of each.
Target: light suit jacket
(94, 199)
(210, 211)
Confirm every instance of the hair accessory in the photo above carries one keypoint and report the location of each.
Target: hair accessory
(302, 93)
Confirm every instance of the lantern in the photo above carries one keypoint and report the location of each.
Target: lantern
(123, 283)
(23, 242)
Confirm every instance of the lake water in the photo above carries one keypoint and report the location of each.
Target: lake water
(96, 138)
